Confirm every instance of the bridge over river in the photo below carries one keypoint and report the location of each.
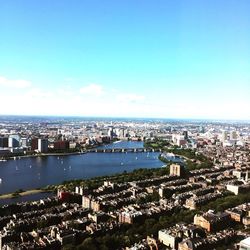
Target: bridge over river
(122, 150)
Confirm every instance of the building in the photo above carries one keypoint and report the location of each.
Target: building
(169, 240)
(90, 203)
(245, 244)
(224, 136)
(131, 217)
(171, 237)
(61, 145)
(13, 143)
(235, 214)
(246, 220)
(185, 133)
(79, 190)
(43, 145)
(34, 144)
(24, 142)
(4, 142)
(233, 135)
(177, 170)
(63, 195)
(238, 187)
(211, 221)
(179, 140)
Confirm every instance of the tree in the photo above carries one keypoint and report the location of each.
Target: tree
(87, 244)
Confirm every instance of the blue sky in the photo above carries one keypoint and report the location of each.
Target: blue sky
(132, 58)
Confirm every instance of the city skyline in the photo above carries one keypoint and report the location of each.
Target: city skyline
(126, 59)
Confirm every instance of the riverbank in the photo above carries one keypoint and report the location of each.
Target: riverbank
(44, 155)
(28, 192)
(128, 176)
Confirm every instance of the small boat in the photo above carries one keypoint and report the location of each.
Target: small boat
(122, 163)
(1, 180)
(30, 166)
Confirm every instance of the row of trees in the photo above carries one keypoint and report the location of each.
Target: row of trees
(137, 174)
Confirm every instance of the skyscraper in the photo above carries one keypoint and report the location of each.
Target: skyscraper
(43, 145)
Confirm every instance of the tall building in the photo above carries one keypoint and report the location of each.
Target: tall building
(34, 144)
(177, 170)
(4, 142)
(13, 143)
(224, 136)
(111, 133)
(42, 145)
(202, 129)
(185, 133)
(233, 135)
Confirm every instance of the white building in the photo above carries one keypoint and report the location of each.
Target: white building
(245, 244)
(43, 145)
(167, 239)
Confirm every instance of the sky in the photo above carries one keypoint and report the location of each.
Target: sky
(130, 58)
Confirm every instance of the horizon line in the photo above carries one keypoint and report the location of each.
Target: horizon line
(132, 117)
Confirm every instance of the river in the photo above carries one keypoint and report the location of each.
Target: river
(36, 172)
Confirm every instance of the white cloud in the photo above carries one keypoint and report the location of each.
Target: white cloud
(19, 83)
(130, 98)
(92, 90)
(39, 93)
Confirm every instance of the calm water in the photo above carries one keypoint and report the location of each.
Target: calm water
(29, 173)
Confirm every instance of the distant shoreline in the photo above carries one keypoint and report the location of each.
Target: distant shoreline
(52, 154)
